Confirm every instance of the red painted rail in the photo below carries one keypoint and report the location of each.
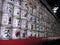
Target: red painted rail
(32, 41)
(29, 41)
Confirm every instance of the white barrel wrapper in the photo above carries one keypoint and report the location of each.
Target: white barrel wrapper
(23, 14)
(23, 24)
(8, 8)
(16, 33)
(16, 11)
(16, 22)
(5, 19)
(29, 33)
(23, 34)
(24, 5)
(4, 33)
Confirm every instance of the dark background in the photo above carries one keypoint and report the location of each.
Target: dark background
(55, 3)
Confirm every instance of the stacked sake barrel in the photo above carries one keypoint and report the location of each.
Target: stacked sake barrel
(21, 19)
